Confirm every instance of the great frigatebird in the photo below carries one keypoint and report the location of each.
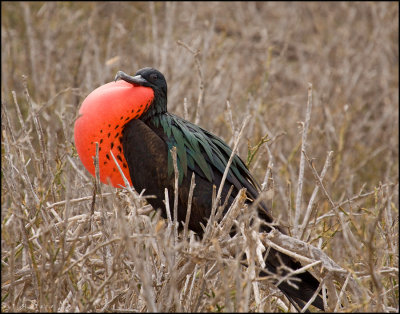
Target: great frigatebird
(141, 132)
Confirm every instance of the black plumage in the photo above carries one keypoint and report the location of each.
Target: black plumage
(146, 144)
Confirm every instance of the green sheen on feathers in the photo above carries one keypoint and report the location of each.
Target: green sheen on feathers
(196, 146)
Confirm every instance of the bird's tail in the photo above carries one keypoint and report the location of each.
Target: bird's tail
(300, 288)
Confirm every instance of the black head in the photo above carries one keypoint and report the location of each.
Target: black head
(154, 79)
(148, 77)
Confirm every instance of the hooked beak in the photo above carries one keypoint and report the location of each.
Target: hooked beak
(138, 79)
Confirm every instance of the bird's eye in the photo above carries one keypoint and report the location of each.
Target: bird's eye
(153, 76)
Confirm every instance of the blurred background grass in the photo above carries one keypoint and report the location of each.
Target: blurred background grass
(258, 55)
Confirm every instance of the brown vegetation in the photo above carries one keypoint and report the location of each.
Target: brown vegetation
(65, 250)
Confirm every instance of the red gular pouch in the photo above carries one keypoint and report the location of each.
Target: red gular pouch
(102, 117)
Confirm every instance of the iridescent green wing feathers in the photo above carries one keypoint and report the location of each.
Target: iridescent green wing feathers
(203, 153)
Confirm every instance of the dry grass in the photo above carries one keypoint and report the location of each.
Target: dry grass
(65, 250)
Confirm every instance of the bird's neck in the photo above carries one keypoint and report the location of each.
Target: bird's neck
(157, 107)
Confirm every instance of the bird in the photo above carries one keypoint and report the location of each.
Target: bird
(140, 131)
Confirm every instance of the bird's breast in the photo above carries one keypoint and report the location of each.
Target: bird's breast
(102, 117)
